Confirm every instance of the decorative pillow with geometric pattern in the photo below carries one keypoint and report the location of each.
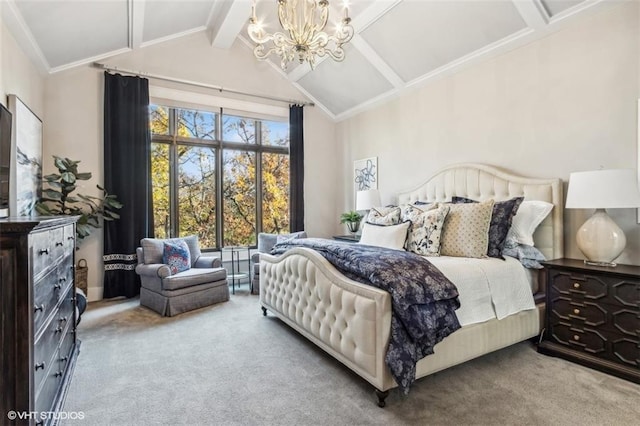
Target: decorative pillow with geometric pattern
(426, 227)
(466, 230)
(384, 216)
(176, 255)
(501, 218)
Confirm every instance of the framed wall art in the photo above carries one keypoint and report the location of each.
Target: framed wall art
(365, 174)
(25, 187)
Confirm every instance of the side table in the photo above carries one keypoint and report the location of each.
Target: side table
(592, 316)
(236, 273)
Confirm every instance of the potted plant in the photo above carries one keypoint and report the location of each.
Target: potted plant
(57, 199)
(352, 219)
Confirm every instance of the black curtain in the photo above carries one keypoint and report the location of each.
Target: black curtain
(296, 170)
(127, 175)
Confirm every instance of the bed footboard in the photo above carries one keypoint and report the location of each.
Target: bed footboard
(349, 320)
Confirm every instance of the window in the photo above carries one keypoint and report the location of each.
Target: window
(223, 177)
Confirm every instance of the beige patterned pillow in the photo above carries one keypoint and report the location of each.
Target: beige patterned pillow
(384, 216)
(466, 230)
(426, 227)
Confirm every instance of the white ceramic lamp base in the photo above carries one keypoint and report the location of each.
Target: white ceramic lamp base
(600, 239)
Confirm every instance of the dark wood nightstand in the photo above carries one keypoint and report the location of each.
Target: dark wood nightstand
(348, 238)
(593, 316)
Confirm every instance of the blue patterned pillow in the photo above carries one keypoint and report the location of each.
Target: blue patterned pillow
(176, 255)
(501, 217)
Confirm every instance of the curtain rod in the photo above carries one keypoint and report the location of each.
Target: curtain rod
(198, 84)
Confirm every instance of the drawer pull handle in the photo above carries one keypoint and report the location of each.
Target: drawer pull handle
(63, 319)
(58, 374)
(58, 330)
(40, 423)
(39, 308)
(63, 279)
(576, 311)
(69, 238)
(576, 337)
(59, 244)
(57, 286)
(44, 251)
(40, 365)
(576, 285)
(64, 359)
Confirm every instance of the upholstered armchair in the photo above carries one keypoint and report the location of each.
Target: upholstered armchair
(265, 244)
(176, 277)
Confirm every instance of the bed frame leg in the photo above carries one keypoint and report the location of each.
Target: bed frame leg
(264, 311)
(381, 397)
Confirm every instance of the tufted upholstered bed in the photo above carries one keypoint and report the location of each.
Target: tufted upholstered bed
(351, 321)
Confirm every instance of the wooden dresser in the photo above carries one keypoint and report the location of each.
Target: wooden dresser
(593, 316)
(37, 294)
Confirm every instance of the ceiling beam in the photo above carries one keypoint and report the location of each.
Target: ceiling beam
(228, 24)
(372, 56)
(533, 13)
(136, 22)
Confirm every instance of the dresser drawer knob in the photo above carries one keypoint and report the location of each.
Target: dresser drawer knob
(576, 311)
(576, 285)
(63, 319)
(58, 373)
(576, 337)
(69, 238)
(62, 279)
(57, 286)
(39, 308)
(44, 251)
(59, 244)
(39, 366)
(64, 359)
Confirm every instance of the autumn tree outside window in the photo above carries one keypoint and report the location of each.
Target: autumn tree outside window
(223, 177)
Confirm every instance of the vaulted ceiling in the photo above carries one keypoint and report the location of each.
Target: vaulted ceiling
(398, 43)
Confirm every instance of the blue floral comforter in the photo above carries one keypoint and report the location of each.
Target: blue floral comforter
(423, 299)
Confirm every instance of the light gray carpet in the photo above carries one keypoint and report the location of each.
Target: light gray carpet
(227, 365)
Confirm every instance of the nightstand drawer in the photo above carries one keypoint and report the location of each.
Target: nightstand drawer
(582, 313)
(607, 289)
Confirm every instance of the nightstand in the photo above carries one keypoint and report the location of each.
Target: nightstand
(347, 238)
(593, 316)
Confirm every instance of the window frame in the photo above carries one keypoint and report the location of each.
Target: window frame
(219, 145)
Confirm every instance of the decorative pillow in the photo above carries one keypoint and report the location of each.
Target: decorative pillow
(283, 238)
(391, 236)
(466, 230)
(425, 229)
(529, 256)
(501, 218)
(384, 216)
(529, 216)
(176, 256)
(153, 248)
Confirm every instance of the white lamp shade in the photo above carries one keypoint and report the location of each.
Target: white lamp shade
(366, 200)
(603, 189)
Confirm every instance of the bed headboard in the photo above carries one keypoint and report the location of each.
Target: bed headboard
(482, 182)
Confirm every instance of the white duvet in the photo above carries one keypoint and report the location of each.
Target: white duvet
(488, 288)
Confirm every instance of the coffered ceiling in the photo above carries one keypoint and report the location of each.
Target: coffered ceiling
(398, 43)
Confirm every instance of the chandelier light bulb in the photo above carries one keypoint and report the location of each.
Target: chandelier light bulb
(303, 38)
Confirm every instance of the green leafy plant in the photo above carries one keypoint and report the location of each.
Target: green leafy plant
(349, 217)
(57, 199)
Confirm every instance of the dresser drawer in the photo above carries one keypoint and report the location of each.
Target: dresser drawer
(45, 298)
(47, 391)
(614, 290)
(43, 253)
(604, 316)
(596, 342)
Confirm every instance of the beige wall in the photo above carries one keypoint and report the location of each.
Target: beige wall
(18, 76)
(561, 104)
(74, 127)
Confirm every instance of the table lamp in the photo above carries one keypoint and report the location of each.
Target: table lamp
(367, 199)
(600, 239)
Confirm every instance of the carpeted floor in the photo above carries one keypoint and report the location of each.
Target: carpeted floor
(229, 365)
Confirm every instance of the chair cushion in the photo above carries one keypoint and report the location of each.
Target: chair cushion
(176, 256)
(193, 276)
(153, 248)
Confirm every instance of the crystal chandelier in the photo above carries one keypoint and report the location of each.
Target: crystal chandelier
(303, 22)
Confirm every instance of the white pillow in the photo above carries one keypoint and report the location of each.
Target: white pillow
(530, 214)
(392, 236)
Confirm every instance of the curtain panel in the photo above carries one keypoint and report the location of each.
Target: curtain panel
(296, 170)
(127, 175)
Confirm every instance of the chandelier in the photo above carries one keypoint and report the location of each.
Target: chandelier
(303, 22)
